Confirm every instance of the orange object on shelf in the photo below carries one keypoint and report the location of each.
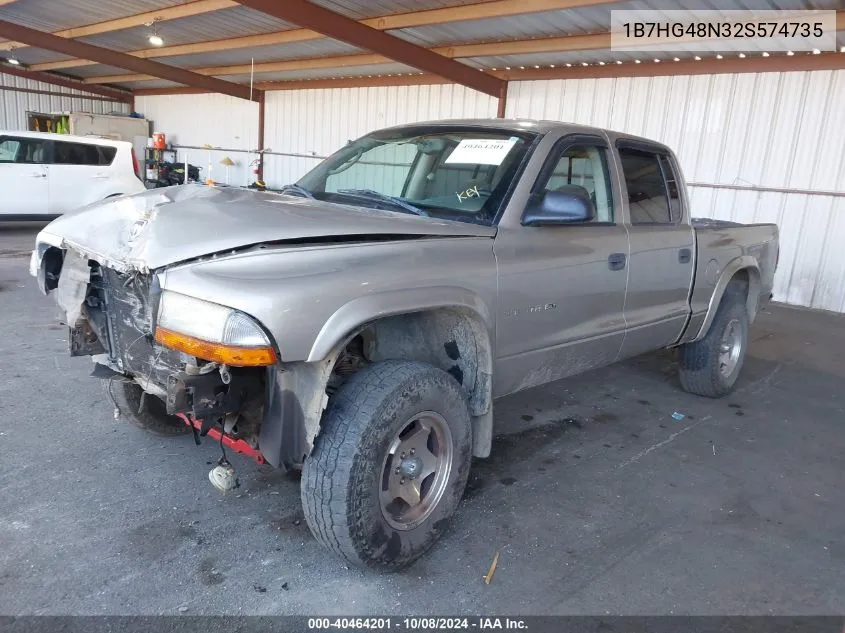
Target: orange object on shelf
(159, 141)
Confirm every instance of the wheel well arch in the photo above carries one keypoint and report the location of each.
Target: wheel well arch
(452, 338)
(747, 281)
(745, 271)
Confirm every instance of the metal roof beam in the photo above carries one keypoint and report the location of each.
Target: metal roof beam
(567, 43)
(347, 30)
(782, 63)
(773, 64)
(479, 11)
(56, 80)
(122, 60)
(546, 45)
(197, 7)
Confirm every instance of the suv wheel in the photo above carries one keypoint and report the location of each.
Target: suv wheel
(390, 464)
(710, 366)
(153, 418)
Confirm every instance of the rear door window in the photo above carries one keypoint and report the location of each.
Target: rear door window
(652, 187)
(83, 154)
(31, 151)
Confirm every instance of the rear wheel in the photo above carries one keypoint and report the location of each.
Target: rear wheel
(390, 464)
(710, 366)
(152, 417)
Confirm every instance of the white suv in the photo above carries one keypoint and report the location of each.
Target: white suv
(44, 175)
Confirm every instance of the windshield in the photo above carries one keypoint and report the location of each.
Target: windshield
(449, 172)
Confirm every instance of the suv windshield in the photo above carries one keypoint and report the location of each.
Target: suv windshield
(449, 172)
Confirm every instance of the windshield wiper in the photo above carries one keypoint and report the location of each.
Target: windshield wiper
(375, 195)
(296, 190)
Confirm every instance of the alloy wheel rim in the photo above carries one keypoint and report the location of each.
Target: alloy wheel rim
(730, 347)
(416, 470)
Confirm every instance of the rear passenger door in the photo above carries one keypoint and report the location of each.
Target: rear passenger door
(662, 246)
(23, 176)
(79, 174)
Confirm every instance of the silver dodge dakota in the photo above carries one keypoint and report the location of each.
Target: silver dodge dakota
(359, 324)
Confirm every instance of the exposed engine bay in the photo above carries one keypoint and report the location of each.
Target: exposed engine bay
(254, 410)
(116, 326)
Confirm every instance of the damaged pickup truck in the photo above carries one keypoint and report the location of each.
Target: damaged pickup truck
(360, 324)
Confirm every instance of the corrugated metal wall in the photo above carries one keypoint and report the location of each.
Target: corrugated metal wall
(15, 104)
(770, 130)
(314, 123)
(207, 119)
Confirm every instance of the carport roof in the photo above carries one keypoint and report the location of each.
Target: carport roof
(223, 38)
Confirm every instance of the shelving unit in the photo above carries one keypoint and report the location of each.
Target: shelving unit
(153, 159)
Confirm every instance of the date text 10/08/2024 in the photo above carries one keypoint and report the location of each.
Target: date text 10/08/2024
(418, 624)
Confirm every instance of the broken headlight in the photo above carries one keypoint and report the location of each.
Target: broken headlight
(212, 332)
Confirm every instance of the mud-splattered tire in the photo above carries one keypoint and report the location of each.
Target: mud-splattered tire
(710, 367)
(153, 419)
(386, 410)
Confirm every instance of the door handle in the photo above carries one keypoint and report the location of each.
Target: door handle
(684, 255)
(616, 261)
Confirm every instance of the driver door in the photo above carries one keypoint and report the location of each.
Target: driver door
(562, 288)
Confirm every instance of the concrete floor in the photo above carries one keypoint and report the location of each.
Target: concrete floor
(599, 501)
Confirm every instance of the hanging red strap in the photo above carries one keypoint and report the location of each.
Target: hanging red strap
(239, 446)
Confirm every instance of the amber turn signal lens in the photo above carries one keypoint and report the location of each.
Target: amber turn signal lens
(230, 355)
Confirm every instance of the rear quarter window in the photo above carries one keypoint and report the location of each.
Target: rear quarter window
(83, 154)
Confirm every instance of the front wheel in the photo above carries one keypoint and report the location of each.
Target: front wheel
(390, 464)
(151, 417)
(710, 366)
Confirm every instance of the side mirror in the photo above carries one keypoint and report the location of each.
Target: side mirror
(565, 205)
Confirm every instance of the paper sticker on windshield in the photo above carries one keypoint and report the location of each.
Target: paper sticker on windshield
(481, 151)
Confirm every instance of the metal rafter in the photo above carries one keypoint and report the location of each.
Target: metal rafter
(56, 80)
(519, 47)
(122, 60)
(347, 30)
(782, 63)
(446, 15)
(197, 7)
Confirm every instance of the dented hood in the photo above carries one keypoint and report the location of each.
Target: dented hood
(165, 226)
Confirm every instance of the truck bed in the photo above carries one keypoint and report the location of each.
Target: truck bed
(719, 245)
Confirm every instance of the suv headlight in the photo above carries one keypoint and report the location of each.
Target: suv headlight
(212, 332)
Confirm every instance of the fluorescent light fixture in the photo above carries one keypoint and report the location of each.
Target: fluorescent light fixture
(13, 61)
